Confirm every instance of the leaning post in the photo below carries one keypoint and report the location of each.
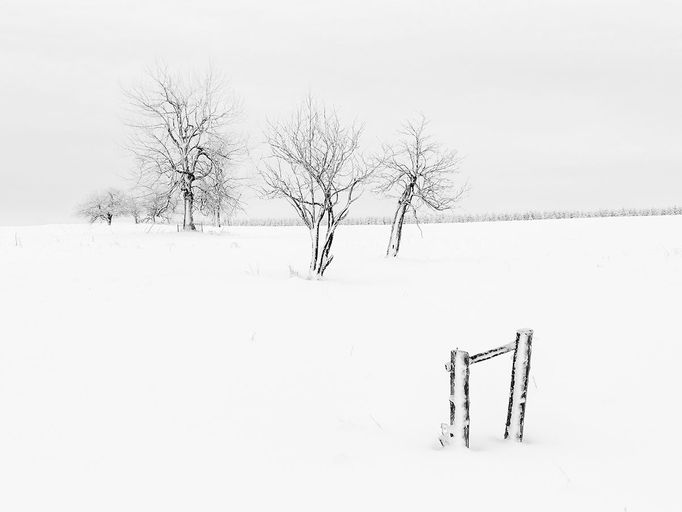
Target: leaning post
(457, 432)
(519, 385)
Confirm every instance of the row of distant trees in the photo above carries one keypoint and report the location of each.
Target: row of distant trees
(186, 149)
(539, 215)
(146, 206)
(111, 203)
(475, 217)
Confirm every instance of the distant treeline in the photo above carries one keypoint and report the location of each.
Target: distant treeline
(478, 217)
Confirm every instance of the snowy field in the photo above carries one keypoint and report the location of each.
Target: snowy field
(147, 370)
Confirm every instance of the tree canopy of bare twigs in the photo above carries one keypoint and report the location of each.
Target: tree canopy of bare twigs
(314, 164)
(218, 195)
(133, 206)
(103, 206)
(180, 136)
(419, 172)
(157, 205)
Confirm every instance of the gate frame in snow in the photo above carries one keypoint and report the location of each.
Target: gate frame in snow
(457, 431)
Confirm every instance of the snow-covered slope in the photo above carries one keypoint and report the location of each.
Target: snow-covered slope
(143, 369)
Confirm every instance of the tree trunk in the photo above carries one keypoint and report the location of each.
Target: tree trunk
(188, 219)
(217, 214)
(326, 257)
(321, 255)
(315, 249)
(397, 229)
(109, 218)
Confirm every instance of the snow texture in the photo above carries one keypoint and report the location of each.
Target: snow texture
(143, 369)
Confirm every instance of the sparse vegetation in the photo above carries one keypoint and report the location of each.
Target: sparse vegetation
(478, 217)
(185, 150)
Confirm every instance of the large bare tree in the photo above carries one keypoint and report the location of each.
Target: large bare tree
(419, 172)
(314, 164)
(180, 134)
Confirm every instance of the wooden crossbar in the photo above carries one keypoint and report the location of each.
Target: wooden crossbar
(488, 354)
(457, 431)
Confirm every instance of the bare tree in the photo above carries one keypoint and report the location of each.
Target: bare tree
(180, 136)
(420, 173)
(103, 206)
(133, 206)
(158, 205)
(218, 194)
(315, 166)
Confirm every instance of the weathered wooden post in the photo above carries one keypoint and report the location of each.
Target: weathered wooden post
(457, 432)
(519, 385)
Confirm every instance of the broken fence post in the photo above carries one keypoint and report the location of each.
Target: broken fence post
(457, 432)
(519, 385)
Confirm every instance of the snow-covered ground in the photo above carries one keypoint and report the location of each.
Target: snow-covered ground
(147, 370)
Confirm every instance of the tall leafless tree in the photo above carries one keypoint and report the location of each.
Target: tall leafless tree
(180, 134)
(314, 164)
(103, 206)
(419, 172)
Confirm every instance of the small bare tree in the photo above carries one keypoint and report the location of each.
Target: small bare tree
(218, 195)
(180, 136)
(158, 205)
(103, 206)
(315, 166)
(133, 206)
(420, 173)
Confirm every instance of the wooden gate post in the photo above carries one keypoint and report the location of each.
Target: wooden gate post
(457, 432)
(519, 385)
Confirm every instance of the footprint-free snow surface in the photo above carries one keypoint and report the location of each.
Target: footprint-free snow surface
(147, 370)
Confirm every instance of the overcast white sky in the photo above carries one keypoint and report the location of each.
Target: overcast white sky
(554, 104)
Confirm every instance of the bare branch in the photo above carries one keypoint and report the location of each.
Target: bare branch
(419, 172)
(314, 165)
(181, 140)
